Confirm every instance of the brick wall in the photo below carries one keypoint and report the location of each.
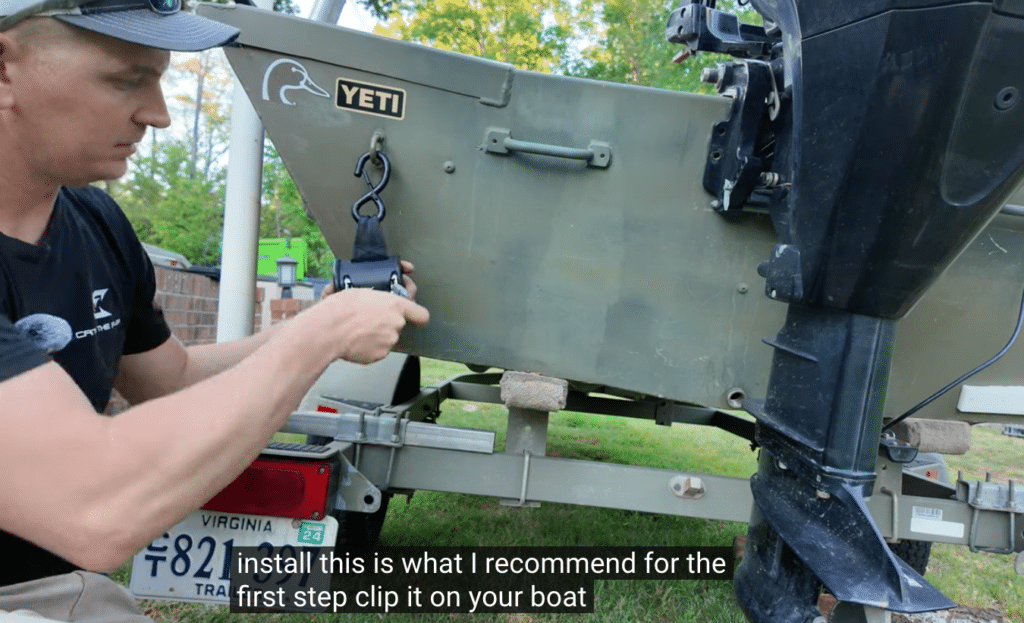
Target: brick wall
(282, 309)
(189, 301)
(257, 312)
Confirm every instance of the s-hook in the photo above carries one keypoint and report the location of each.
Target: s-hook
(374, 189)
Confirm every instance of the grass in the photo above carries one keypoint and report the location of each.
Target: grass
(982, 579)
(430, 518)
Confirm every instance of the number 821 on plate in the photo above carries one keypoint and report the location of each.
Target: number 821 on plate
(192, 560)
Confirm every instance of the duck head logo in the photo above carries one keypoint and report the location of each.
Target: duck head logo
(287, 75)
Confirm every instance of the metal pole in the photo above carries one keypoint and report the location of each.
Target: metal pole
(327, 11)
(237, 300)
(236, 305)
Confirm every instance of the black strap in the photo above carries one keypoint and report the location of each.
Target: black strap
(370, 266)
(370, 245)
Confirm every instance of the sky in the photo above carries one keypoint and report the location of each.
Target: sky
(353, 15)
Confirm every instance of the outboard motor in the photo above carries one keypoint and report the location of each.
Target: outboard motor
(880, 136)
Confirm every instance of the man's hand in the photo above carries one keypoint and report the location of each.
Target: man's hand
(372, 320)
(365, 324)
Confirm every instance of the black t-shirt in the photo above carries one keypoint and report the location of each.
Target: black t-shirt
(82, 298)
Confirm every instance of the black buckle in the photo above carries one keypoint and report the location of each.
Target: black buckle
(384, 275)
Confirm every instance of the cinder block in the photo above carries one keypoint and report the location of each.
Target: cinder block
(533, 391)
(942, 436)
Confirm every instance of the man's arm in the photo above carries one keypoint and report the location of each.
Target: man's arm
(100, 488)
(172, 366)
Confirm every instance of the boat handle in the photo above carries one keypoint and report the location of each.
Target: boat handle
(500, 141)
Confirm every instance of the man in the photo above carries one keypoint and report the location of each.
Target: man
(79, 492)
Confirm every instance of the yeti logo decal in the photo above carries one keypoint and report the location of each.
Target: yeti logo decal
(372, 99)
(48, 333)
(97, 298)
(292, 76)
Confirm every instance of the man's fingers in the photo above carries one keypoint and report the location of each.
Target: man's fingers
(407, 266)
(416, 314)
(410, 286)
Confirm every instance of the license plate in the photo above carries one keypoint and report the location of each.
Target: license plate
(192, 560)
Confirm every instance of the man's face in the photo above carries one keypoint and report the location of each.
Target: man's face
(80, 102)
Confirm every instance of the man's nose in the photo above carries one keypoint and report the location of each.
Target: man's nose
(153, 111)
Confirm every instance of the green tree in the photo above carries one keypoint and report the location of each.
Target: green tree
(283, 215)
(530, 34)
(629, 46)
(209, 107)
(286, 6)
(172, 206)
(615, 40)
(174, 195)
(175, 205)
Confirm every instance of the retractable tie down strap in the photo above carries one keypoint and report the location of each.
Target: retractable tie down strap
(370, 266)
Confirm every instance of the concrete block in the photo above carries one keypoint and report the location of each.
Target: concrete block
(942, 436)
(532, 391)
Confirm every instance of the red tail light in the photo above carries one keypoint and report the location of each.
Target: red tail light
(279, 488)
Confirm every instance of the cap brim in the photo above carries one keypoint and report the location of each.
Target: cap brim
(181, 32)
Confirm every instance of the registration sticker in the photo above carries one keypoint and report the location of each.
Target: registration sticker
(924, 520)
(192, 560)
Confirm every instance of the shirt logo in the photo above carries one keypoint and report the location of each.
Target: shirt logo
(99, 313)
(97, 298)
